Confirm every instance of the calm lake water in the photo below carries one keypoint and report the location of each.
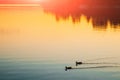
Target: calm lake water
(37, 45)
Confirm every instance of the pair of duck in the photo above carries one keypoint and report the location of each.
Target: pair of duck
(81, 63)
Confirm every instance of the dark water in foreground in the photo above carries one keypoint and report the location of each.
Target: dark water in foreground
(50, 70)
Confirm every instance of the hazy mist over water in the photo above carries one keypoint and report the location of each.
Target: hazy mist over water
(37, 44)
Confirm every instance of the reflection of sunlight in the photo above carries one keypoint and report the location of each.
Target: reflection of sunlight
(39, 18)
(38, 33)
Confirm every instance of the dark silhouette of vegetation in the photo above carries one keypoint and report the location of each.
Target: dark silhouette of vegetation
(101, 11)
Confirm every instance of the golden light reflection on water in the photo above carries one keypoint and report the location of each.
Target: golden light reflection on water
(33, 33)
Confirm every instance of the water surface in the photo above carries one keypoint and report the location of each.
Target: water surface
(36, 45)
